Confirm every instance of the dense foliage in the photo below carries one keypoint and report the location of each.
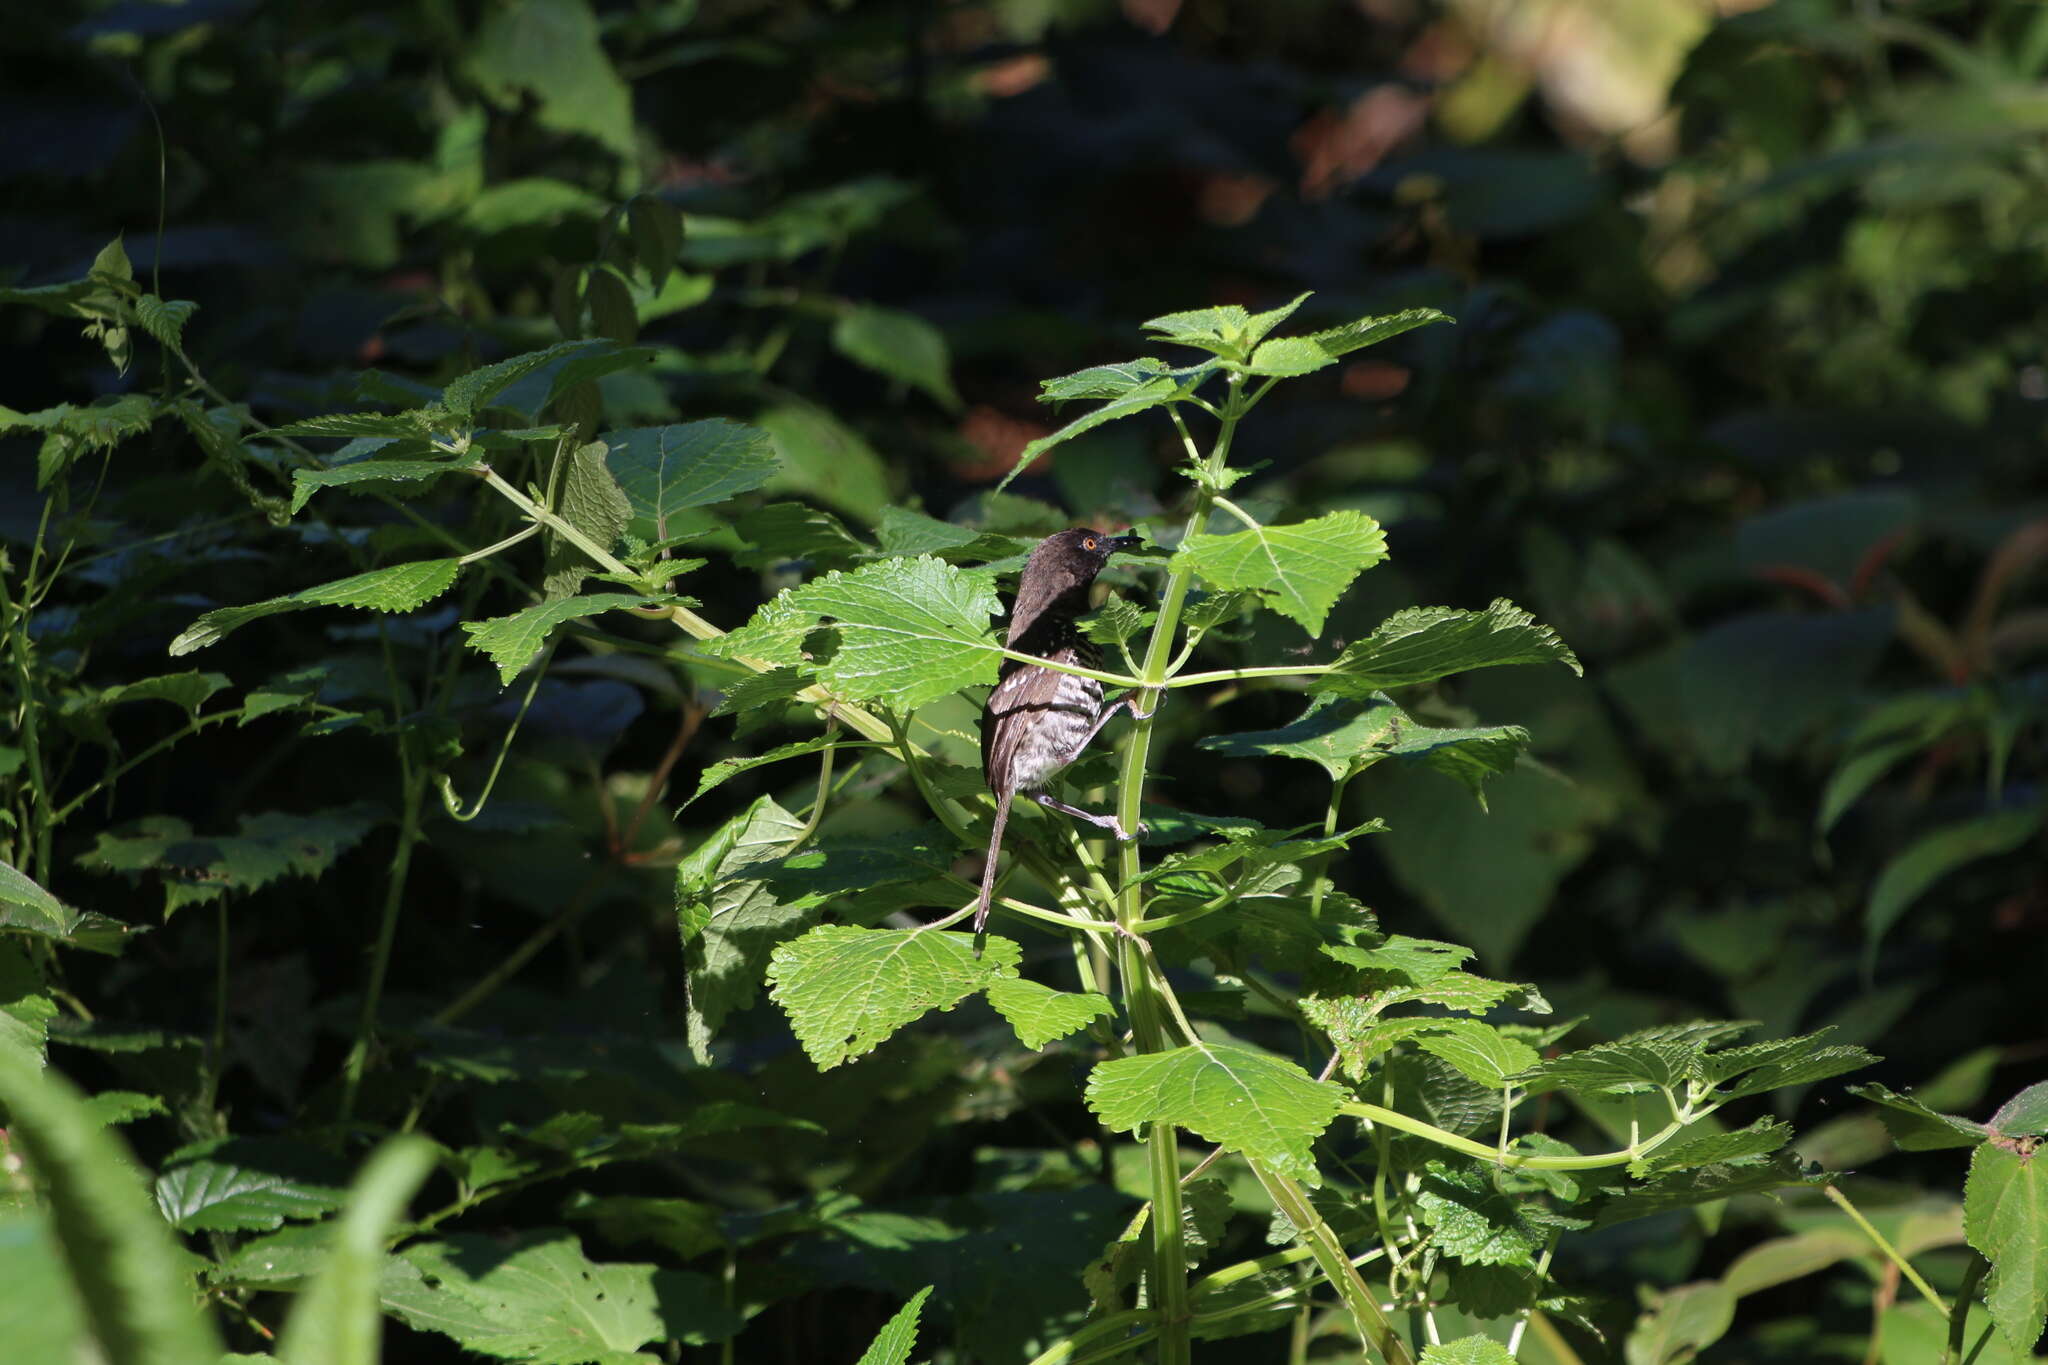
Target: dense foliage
(503, 510)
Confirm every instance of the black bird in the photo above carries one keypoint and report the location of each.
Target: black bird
(1038, 719)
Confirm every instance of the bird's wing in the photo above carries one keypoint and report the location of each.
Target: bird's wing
(1027, 692)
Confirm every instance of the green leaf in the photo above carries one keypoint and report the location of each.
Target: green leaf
(165, 319)
(666, 470)
(307, 482)
(2024, 1115)
(823, 458)
(1253, 1103)
(511, 642)
(1701, 1185)
(210, 1195)
(25, 905)
(337, 1321)
(1423, 644)
(2005, 1217)
(729, 924)
(397, 425)
(1286, 357)
(1818, 1065)
(1479, 1225)
(1370, 331)
(1933, 856)
(898, 345)
(910, 630)
(783, 532)
(657, 228)
(269, 845)
(1682, 1322)
(1139, 399)
(1760, 1139)
(1480, 1051)
(593, 503)
(1626, 1066)
(1300, 570)
(1103, 381)
(898, 1337)
(760, 689)
(541, 1300)
(727, 768)
(551, 50)
(399, 588)
(26, 1007)
(122, 1263)
(39, 1312)
(1472, 1350)
(847, 989)
(469, 395)
(1917, 1128)
(1115, 621)
(1040, 1013)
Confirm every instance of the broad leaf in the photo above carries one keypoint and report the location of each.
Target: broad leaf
(847, 989)
(2005, 1216)
(1479, 1050)
(1473, 1350)
(1917, 1128)
(1253, 1103)
(727, 768)
(307, 482)
(1141, 398)
(664, 471)
(1040, 1013)
(1301, 570)
(1370, 331)
(1760, 1139)
(1476, 1223)
(1933, 856)
(511, 642)
(910, 630)
(25, 905)
(401, 587)
(231, 1195)
(1423, 644)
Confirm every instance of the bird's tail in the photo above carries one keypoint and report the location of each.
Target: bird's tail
(995, 848)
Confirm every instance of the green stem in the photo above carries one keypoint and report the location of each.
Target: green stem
(1373, 1327)
(1330, 813)
(415, 789)
(1393, 1119)
(1841, 1201)
(1959, 1316)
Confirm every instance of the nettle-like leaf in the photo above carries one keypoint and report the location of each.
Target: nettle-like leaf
(1479, 1050)
(307, 482)
(1472, 1350)
(1475, 1222)
(1626, 1066)
(511, 642)
(847, 989)
(762, 689)
(727, 768)
(898, 1337)
(25, 906)
(910, 630)
(1300, 570)
(1040, 1013)
(1344, 736)
(199, 868)
(241, 1186)
(1933, 856)
(1918, 1128)
(665, 471)
(785, 532)
(1116, 621)
(902, 531)
(729, 923)
(399, 588)
(1686, 1189)
(1253, 1103)
(1758, 1140)
(2005, 1217)
(1423, 644)
(543, 1301)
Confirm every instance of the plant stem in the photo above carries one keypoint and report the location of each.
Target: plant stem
(1913, 1277)
(1959, 1316)
(1393, 1119)
(1372, 1324)
(415, 788)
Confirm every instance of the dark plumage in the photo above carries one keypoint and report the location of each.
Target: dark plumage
(1038, 719)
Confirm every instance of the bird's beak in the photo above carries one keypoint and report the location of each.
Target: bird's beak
(1117, 544)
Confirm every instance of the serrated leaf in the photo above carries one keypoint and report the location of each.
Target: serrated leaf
(1917, 1128)
(728, 768)
(1933, 856)
(1479, 1050)
(227, 1196)
(593, 503)
(417, 422)
(2024, 1115)
(399, 588)
(1819, 1065)
(1626, 1066)
(657, 228)
(910, 630)
(899, 345)
(2005, 1217)
(1701, 1185)
(26, 905)
(612, 311)
(762, 689)
(1286, 357)
(1401, 960)
(543, 1301)
(1370, 331)
(783, 532)
(1473, 1221)
(1761, 1138)
(511, 642)
(1300, 570)
(1040, 1013)
(1115, 621)
(898, 1337)
(165, 319)
(1253, 1103)
(666, 470)
(1472, 1350)
(307, 482)
(269, 845)
(1142, 398)
(471, 393)
(1103, 381)
(847, 989)
(1224, 328)
(1681, 1322)
(1423, 644)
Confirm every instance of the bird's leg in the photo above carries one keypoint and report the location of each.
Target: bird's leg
(1108, 714)
(1108, 822)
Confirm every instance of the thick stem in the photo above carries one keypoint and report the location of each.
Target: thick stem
(1372, 1324)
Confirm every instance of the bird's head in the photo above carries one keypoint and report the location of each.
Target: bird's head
(1071, 559)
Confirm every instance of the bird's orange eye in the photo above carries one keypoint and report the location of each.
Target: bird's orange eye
(1088, 544)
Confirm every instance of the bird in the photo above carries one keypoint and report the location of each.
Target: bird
(1038, 719)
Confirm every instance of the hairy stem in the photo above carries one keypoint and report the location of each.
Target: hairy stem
(1891, 1253)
